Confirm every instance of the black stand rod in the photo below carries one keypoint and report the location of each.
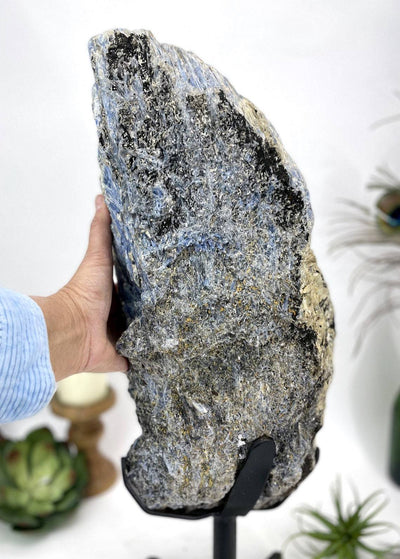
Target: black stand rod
(250, 481)
(224, 537)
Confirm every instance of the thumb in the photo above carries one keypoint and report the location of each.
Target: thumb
(99, 247)
(111, 361)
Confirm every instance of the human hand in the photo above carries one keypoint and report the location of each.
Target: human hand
(82, 317)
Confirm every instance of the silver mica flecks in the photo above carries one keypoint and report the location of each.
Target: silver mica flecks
(230, 323)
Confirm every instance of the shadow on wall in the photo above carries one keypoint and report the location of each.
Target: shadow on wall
(376, 382)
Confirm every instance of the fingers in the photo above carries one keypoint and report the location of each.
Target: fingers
(94, 280)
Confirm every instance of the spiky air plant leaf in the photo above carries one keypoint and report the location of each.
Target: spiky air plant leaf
(40, 479)
(347, 534)
(389, 119)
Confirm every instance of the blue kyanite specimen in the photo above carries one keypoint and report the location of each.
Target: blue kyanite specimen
(230, 323)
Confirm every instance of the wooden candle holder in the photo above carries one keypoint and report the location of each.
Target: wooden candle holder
(85, 432)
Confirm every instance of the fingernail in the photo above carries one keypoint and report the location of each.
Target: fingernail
(99, 202)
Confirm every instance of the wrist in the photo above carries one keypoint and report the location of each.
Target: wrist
(67, 333)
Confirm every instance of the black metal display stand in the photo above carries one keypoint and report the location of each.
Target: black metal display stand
(244, 494)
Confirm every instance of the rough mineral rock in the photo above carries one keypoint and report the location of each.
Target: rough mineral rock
(230, 323)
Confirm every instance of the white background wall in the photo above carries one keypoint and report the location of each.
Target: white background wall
(322, 72)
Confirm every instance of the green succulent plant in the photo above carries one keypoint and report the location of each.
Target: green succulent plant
(40, 478)
(347, 534)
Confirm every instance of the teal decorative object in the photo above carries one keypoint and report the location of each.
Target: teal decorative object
(395, 443)
(40, 478)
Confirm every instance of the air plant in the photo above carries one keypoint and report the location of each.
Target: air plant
(374, 236)
(348, 533)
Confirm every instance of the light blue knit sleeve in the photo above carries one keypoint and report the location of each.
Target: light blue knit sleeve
(27, 380)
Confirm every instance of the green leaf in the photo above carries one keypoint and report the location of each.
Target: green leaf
(18, 518)
(318, 516)
(5, 478)
(16, 463)
(375, 551)
(53, 491)
(350, 552)
(44, 463)
(69, 501)
(337, 495)
(321, 536)
(40, 435)
(369, 501)
(378, 528)
(39, 508)
(329, 551)
(13, 497)
(64, 455)
(373, 513)
(82, 472)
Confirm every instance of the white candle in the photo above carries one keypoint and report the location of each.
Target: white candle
(83, 389)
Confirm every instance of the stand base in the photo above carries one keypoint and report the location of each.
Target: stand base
(250, 481)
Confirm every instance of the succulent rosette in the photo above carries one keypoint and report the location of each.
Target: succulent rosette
(40, 478)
